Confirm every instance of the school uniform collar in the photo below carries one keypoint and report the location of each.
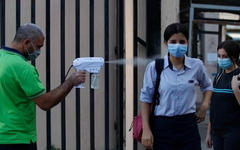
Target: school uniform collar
(167, 62)
(187, 62)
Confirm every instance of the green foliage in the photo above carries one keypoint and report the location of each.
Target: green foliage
(54, 148)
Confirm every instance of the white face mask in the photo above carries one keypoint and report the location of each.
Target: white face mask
(32, 56)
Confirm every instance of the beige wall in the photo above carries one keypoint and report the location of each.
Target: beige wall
(69, 56)
(169, 14)
(142, 51)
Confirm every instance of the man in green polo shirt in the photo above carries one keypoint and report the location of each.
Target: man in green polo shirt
(21, 89)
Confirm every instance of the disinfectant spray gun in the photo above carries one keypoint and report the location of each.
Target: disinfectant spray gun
(92, 65)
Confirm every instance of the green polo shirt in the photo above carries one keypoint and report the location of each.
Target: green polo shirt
(19, 84)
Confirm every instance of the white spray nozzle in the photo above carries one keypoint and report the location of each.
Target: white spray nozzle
(89, 64)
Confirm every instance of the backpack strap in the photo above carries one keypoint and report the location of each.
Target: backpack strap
(159, 64)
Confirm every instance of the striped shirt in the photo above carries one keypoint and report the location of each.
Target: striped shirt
(224, 107)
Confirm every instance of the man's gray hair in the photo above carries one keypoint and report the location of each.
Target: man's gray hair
(28, 31)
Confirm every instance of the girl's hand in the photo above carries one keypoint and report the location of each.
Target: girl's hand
(201, 113)
(208, 141)
(147, 139)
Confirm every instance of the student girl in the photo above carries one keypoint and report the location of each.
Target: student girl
(224, 125)
(175, 118)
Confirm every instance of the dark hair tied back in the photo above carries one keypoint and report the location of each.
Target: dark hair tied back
(174, 29)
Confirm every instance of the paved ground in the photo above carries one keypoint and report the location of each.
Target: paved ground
(203, 130)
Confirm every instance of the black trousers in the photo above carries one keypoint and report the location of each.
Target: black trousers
(31, 146)
(176, 133)
(228, 139)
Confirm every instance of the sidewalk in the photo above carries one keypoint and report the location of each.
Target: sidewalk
(203, 130)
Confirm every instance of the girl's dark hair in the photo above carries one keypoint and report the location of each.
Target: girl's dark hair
(232, 49)
(175, 28)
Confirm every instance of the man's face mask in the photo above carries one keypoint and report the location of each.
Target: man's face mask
(224, 63)
(177, 50)
(32, 56)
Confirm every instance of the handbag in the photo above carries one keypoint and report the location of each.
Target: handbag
(137, 120)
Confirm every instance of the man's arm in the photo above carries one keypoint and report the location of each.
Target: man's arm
(48, 100)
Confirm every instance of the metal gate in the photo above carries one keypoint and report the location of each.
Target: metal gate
(73, 29)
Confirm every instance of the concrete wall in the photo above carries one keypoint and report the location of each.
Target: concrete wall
(169, 14)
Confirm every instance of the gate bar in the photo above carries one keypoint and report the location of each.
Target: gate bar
(92, 116)
(63, 110)
(48, 71)
(78, 104)
(106, 45)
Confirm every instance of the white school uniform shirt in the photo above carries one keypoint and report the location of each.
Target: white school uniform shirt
(177, 88)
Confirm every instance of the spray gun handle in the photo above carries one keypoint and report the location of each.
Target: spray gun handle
(89, 64)
(80, 86)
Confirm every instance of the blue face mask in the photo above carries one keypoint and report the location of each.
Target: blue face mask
(177, 50)
(224, 63)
